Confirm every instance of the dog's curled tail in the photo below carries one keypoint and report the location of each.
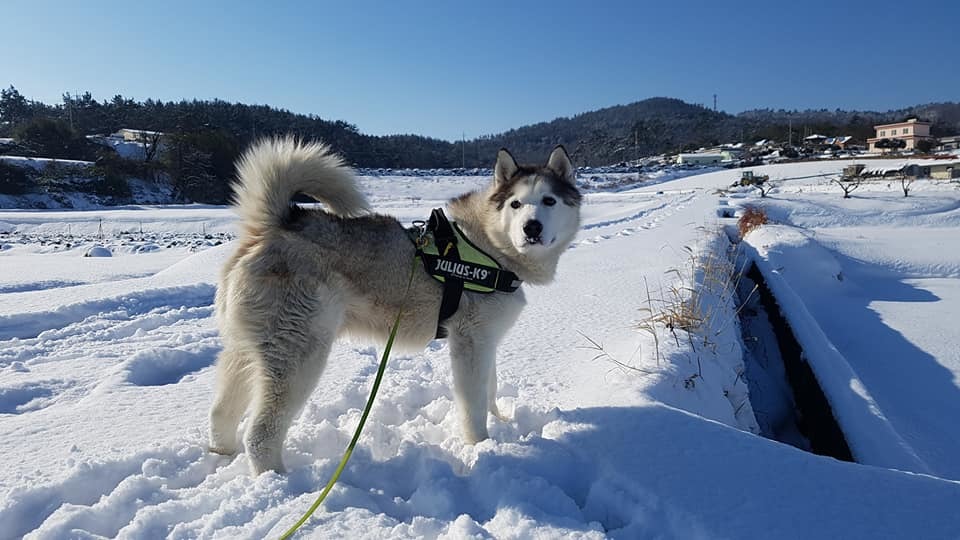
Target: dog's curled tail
(273, 170)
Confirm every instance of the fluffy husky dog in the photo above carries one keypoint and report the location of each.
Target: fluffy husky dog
(301, 278)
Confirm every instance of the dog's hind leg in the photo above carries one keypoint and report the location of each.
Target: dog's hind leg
(230, 402)
(492, 393)
(291, 366)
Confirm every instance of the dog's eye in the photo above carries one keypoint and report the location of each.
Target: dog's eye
(515, 204)
(549, 201)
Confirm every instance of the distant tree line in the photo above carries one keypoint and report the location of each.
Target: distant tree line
(204, 138)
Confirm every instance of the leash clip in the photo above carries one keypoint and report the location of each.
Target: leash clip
(421, 227)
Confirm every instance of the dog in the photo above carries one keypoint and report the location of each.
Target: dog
(301, 278)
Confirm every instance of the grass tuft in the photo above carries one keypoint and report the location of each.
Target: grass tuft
(752, 218)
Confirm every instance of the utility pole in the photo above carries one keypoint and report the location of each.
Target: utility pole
(70, 109)
(714, 103)
(72, 98)
(790, 133)
(463, 150)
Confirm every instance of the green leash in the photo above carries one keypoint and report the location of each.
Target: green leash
(363, 417)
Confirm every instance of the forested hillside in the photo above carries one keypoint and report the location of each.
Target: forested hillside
(203, 138)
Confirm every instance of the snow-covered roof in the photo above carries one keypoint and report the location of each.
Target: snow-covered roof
(814, 137)
(838, 140)
(899, 166)
(140, 131)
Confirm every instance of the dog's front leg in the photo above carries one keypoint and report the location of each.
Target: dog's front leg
(472, 359)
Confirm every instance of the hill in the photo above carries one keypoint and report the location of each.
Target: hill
(619, 133)
(658, 125)
(206, 137)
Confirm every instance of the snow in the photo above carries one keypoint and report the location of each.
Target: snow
(875, 287)
(39, 164)
(617, 427)
(98, 251)
(134, 150)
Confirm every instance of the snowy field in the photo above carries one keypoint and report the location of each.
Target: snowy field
(618, 427)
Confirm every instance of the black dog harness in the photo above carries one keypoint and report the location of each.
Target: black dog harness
(450, 258)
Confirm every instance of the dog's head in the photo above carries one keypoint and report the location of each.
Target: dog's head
(538, 206)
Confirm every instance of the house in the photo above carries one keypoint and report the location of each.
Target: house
(945, 171)
(137, 135)
(949, 143)
(842, 143)
(728, 152)
(730, 155)
(699, 159)
(909, 131)
(815, 139)
(936, 169)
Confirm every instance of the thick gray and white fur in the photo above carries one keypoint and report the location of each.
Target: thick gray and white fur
(301, 278)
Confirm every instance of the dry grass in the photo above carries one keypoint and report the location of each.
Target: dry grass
(602, 354)
(752, 218)
(698, 305)
(695, 308)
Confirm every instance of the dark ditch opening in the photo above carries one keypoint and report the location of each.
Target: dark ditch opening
(789, 403)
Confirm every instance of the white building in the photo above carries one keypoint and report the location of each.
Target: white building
(137, 135)
(699, 159)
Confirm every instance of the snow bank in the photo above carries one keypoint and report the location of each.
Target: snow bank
(789, 259)
(39, 163)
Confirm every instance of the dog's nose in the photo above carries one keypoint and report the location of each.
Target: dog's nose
(532, 228)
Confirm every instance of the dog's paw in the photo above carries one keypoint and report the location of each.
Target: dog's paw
(499, 415)
(223, 451)
(256, 469)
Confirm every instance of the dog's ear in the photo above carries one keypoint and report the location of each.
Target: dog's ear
(506, 166)
(560, 163)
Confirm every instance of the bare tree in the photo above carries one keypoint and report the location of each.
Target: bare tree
(848, 185)
(765, 187)
(905, 183)
(151, 142)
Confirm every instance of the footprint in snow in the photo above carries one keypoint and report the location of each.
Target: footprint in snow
(158, 367)
(25, 398)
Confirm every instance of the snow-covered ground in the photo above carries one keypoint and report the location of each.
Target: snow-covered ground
(876, 280)
(618, 427)
(38, 163)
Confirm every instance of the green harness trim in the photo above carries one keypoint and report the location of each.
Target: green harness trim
(449, 257)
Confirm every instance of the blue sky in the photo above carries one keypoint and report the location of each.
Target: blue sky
(444, 69)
